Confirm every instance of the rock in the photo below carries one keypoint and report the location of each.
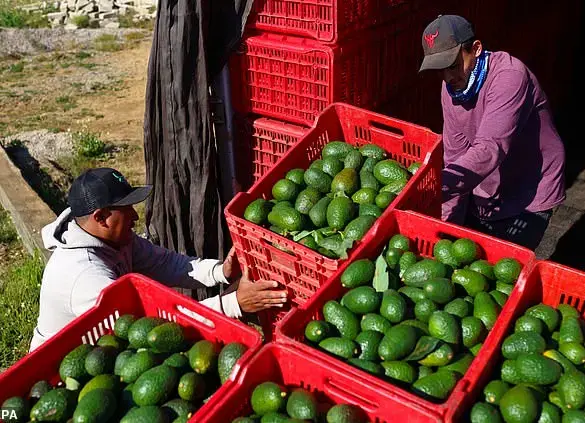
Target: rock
(105, 5)
(141, 11)
(71, 4)
(30, 9)
(63, 7)
(81, 4)
(57, 16)
(70, 26)
(112, 25)
(89, 8)
(108, 15)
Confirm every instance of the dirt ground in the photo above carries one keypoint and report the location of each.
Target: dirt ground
(89, 90)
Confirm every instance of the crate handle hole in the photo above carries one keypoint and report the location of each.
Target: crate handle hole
(192, 315)
(348, 393)
(396, 132)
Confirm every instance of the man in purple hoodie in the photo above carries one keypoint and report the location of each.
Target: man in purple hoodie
(504, 160)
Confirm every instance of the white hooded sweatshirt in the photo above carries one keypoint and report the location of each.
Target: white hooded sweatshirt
(82, 265)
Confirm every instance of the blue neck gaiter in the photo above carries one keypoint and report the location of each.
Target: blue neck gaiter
(476, 80)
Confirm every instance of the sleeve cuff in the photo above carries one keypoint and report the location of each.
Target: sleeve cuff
(231, 306)
(218, 273)
(207, 272)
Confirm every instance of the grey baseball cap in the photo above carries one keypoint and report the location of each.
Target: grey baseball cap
(442, 41)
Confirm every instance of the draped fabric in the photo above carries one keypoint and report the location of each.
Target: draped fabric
(191, 43)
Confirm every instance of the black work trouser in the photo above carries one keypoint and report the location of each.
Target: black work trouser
(526, 229)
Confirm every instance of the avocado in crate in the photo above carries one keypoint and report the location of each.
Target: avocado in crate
(272, 403)
(416, 322)
(541, 375)
(146, 370)
(334, 202)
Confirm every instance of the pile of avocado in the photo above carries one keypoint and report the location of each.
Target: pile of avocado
(417, 323)
(145, 372)
(334, 202)
(269, 403)
(542, 376)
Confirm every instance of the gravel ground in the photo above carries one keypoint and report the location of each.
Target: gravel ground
(20, 42)
(43, 145)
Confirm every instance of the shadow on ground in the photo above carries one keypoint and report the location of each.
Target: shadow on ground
(39, 180)
(569, 247)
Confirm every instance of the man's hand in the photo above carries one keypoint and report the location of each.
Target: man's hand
(231, 266)
(260, 295)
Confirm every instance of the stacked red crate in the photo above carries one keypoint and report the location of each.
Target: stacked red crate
(299, 56)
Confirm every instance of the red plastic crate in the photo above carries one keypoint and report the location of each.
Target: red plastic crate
(424, 232)
(141, 296)
(324, 20)
(269, 140)
(287, 366)
(294, 79)
(549, 283)
(305, 270)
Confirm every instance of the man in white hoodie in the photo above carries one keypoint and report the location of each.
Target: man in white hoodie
(94, 244)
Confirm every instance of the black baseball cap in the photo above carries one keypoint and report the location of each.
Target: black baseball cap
(442, 41)
(103, 187)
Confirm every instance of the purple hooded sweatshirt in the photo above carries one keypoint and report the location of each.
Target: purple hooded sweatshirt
(503, 155)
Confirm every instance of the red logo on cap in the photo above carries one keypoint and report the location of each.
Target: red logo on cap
(430, 38)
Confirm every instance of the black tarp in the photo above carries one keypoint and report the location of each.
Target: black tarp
(191, 43)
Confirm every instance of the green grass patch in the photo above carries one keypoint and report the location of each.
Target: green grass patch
(134, 36)
(13, 17)
(20, 288)
(76, 165)
(8, 234)
(107, 42)
(82, 55)
(16, 67)
(89, 145)
(66, 102)
(82, 21)
(127, 21)
(87, 65)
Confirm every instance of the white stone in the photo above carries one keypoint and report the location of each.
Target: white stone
(88, 8)
(108, 15)
(70, 26)
(112, 25)
(142, 11)
(81, 4)
(106, 6)
(56, 16)
(30, 9)
(63, 7)
(71, 4)
(93, 15)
